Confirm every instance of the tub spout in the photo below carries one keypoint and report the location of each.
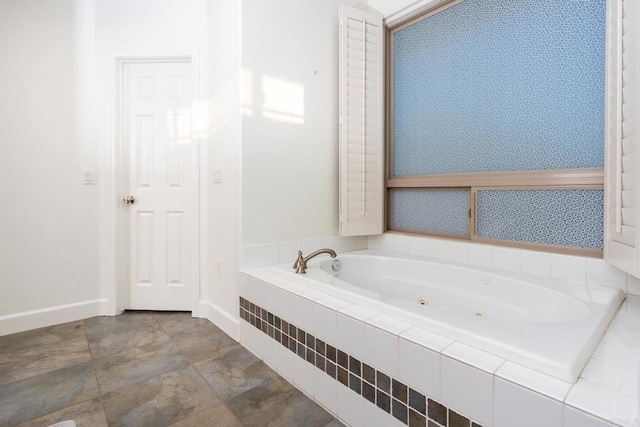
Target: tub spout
(301, 263)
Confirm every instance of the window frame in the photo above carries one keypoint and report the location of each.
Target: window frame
(556, 179)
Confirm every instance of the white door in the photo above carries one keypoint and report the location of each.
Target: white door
(162, 180)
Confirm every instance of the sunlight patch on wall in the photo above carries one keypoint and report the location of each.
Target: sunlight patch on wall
(283, 100)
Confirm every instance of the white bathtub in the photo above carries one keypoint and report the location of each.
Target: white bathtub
(551, 325)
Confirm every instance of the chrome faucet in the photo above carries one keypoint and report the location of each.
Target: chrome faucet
(301, 263)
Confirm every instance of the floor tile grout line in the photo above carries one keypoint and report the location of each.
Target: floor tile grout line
(192, 364)
(216, 394)
(95, 374)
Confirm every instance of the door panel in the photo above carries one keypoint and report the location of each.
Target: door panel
(163, 179)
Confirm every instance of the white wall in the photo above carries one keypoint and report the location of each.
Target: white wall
(57, 244)
(220, 230)
(48, 243)
(290, 119)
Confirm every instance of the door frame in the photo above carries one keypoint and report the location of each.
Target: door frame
(119, 169)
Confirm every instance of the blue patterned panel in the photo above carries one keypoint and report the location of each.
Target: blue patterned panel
(554, 217)
(500, 85)
(439, 211)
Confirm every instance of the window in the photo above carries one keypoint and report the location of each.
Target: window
(496, 124)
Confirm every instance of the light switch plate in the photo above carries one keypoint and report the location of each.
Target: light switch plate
(218, 176)
(88, 177)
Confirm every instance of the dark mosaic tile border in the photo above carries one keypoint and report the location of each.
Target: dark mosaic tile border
(390, 395)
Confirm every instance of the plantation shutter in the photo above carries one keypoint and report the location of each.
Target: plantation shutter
(621, 189)
(361, 169)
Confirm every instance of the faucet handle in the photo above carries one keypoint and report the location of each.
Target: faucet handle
(298, 261)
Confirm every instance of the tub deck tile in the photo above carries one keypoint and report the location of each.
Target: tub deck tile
(474, 357)
(534, 380)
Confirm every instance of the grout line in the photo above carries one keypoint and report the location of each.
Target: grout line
(95, 372)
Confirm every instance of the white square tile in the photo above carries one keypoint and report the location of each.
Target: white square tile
(612, 376)
(602, 273)
(357, 312)
(632, 309)
(253, 256)
(375, 242)
(289, 251)
(426, 339)
(602, 401)
(419, 368)
(467, 390)
(633, 285)
(332, 302)
(617, 355)
(244, 331)
(350, 407)
(457, 251)
(350, 244)
(569, 267)
(309, 245)
(303, 376)
(535, 262)
(284, 362)
(506, 258)
(473, 357)
(576, 418)
(624, 324)
(271, 253)
(480, 255)
(326, 391)
(362, 242)
(350, 335)
(277, 301)
(389, 324)
(517, 406)
(336, 243)
(437, 248)
(622, 339)
(259, 343)
(308, 293)
(376, 417)
(325, 324)
(534, 380)
(399, 242)
(303, 313)
(381, 350)
(418, 246)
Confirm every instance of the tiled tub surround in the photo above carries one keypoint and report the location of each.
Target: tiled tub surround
(472, 383)
(547, 324)
(390, 395)
(578, 268)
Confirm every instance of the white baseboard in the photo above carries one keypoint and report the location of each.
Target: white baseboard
(26, 320)
(219, 317)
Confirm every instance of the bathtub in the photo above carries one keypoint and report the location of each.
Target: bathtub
(547, 324)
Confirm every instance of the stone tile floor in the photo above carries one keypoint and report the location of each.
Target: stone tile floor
(144, 369)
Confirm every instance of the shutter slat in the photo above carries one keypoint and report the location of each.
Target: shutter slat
(628, 163)
(628, 215)
(628, 199)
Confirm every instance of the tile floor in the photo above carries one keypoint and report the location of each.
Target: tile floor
(144, 369)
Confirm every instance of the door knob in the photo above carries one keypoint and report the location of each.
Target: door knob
(129, 200)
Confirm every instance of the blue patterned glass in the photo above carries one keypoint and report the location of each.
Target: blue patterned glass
(500, 85)
(554, 217)
(437, 211)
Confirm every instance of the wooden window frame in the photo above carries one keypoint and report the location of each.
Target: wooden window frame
(557, 179)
